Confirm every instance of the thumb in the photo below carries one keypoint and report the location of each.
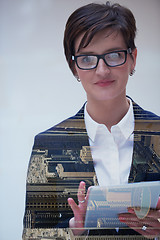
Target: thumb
(73, 205)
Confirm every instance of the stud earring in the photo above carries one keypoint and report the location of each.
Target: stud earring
(132, 72)
(78, 79)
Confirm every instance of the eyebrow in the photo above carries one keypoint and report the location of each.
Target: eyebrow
(107, 51)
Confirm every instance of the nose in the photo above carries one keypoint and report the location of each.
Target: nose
(102, 68)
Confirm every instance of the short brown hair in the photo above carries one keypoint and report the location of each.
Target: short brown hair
(92, 18)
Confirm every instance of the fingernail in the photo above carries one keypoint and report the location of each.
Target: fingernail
(82, 182)
(130, 210)
(122, 219)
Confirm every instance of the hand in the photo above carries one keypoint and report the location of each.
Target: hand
(77, 222)
(149, 226)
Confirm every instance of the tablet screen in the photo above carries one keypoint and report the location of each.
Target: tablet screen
(105, 203)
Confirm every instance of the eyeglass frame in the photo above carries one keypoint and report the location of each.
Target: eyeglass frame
(102, 56)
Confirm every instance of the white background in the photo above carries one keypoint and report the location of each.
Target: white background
(37, 89)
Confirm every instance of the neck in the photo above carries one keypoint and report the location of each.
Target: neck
(108, 112)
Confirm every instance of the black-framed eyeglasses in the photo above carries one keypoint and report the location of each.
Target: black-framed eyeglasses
(111, 59)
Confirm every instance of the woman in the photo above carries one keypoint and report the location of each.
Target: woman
(97, 145)
(100, 50)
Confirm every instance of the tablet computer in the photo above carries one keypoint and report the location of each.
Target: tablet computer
(105, 203)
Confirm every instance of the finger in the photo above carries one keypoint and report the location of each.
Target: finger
(154, 214)
(136, 224)
(158, 204)
(87, 195)
(81, 191)
(78, 219)
(149, 232)
(73, 206)
(152, 218)
(131, 210)
(127, 218)
(130, 218)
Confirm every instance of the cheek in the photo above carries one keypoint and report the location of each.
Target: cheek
(84, 75)
(86, 79)
(125, 70)
(122, 76)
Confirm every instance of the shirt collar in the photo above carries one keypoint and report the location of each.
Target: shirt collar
(125, 126)
(91, 125)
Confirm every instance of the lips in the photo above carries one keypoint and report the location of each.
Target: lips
(104, 83)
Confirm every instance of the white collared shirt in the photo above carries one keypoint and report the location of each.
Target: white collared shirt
(111, 151)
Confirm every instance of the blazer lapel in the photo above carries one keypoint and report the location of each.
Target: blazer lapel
(146, 151)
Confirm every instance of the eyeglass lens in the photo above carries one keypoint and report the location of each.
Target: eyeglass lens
(111, 59)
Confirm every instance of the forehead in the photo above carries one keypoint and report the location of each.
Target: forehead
(107, 38)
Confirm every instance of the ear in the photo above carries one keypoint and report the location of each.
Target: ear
(75, 73)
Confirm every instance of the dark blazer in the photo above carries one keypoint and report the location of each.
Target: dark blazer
(61, 158)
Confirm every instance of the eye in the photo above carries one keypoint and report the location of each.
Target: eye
(87, 59)
(115, 55)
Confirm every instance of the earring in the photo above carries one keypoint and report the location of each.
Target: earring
(132, 72)
(78, 79)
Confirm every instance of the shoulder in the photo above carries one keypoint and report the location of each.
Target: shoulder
(70, 123)
(69, 126)
(140, 113)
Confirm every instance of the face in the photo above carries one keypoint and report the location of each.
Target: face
(105, 83)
